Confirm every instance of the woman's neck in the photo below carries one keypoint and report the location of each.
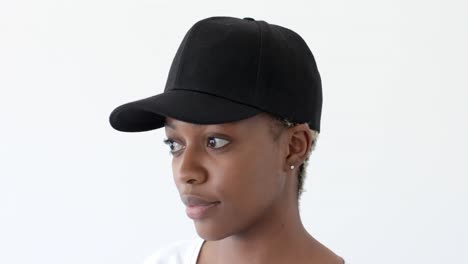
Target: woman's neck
(279, 237)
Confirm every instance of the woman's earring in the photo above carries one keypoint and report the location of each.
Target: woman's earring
(292, 167)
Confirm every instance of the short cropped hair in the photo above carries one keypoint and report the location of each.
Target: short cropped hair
(278, 125)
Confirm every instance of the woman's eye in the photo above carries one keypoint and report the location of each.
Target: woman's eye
(213, 142)
(172, 145)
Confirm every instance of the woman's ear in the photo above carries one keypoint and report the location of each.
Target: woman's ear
(300, 143)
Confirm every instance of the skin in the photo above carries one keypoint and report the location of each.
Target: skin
(258, 219)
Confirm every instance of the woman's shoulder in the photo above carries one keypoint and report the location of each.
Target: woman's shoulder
(176, 252)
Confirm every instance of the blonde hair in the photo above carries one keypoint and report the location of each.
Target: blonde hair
(278, 125)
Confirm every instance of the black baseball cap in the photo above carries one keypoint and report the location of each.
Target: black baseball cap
(227, 69)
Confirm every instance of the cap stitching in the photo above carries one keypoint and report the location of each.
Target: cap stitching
(182, 52)
(260, 54)
(204, 92)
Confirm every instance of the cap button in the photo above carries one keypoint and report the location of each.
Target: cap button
(249, 18)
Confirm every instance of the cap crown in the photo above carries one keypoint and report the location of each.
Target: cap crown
(252, 62)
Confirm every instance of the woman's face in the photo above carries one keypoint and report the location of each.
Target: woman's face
(237, 164)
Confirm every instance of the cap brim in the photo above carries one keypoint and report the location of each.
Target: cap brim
(185, 105)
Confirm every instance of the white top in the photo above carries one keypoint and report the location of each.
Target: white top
(180, 252)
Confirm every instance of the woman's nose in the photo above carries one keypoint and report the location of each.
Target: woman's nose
(189, 168)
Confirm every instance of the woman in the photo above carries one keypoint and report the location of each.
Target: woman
(241, 110)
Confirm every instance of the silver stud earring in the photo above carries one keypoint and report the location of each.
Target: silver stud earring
(292, 167)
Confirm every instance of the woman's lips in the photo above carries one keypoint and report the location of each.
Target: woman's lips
(197, 206)
(195, 200)
(200, 211)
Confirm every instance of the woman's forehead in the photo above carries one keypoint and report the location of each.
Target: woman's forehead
(251, 123)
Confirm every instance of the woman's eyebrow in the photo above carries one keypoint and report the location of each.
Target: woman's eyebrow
(218, 126)
(170, 125)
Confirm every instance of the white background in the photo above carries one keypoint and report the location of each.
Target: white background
(386, 184)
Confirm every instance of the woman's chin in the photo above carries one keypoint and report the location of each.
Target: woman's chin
(210, 231)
